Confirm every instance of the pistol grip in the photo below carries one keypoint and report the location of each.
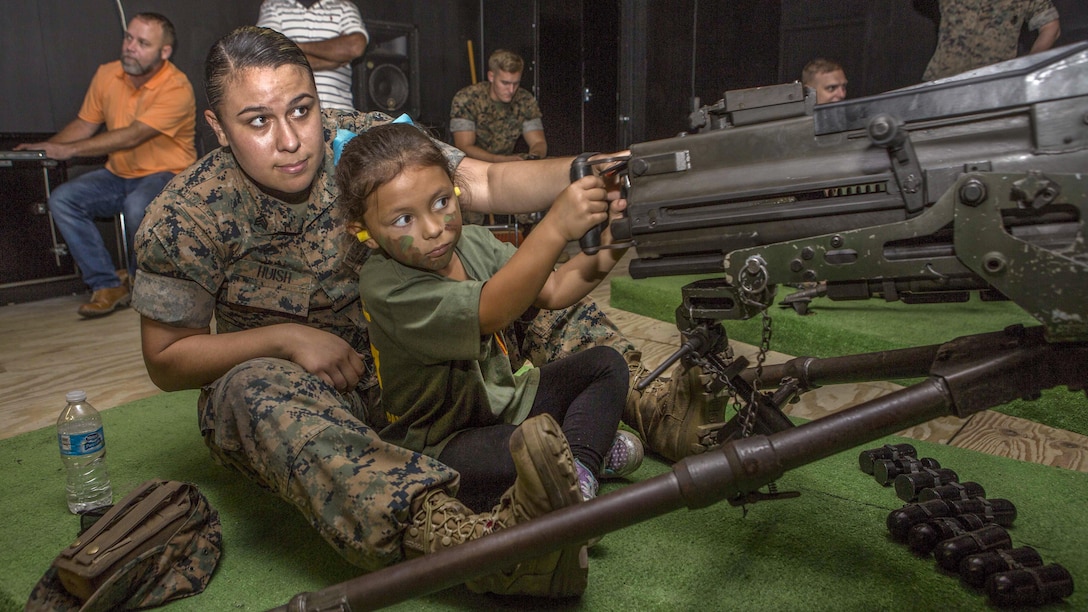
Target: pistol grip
(590, 243)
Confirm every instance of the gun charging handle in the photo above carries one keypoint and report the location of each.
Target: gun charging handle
(591, 241)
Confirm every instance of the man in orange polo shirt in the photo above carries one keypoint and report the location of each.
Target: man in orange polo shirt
(149, 111)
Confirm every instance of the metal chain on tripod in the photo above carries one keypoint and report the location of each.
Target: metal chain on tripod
(764, 346)
(754, 283)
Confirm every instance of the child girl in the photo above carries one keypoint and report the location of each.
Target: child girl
(437, 296)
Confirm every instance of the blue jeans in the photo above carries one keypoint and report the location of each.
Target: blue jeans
(100, 194)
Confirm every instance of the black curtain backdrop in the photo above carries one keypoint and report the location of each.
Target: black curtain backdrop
(663, 55)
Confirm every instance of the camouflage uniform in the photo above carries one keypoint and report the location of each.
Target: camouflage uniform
(497, 124)
(674, 416)
(551, 335)
(213, 244)
(976, 33)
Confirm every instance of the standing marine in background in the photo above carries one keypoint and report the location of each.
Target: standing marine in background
(977, 33)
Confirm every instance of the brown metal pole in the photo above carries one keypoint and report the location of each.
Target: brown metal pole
(498, 551)
(727, 473)
(911, 362)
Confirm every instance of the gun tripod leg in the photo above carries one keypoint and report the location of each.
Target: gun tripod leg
(812, 372)
(758, 412)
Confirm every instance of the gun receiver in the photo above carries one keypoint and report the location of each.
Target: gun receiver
(922, 194)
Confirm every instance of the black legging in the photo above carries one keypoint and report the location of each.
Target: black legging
(585, 392)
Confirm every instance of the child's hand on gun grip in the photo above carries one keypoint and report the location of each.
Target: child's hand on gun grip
(582, 205)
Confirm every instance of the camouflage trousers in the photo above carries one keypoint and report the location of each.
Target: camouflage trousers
(292, 433)
(295, 435)
(554, 334)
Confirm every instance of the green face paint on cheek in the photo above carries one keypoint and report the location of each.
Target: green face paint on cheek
(404, 252)
(398, 248)
(405, 243)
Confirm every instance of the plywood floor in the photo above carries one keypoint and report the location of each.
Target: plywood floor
(48, 350)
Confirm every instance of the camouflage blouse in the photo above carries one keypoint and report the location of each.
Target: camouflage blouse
(212, 244)
(976, 33)
(497, 124)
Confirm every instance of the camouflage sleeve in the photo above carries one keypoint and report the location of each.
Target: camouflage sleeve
(532, 109)
(532, 125)
(453, 155)
(174, 301)
(166, 288)
(529, 112)
(358, 121)
(175, 241)
(179, 259)
(460, 109)
(462, 125)
(1043, 12)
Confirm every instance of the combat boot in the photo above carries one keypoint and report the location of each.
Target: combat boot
(546, 481)
(675, 416)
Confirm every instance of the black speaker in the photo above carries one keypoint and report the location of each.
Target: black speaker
(36, 263)
(386, 78)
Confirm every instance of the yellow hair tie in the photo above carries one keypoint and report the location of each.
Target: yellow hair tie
(363, 235)
(456, 191)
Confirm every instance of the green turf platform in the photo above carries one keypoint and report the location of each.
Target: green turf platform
(847, 327)
(826, 550)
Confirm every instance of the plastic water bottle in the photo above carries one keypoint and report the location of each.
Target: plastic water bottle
(83, 451)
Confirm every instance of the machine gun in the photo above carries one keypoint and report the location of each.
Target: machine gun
(972, 184)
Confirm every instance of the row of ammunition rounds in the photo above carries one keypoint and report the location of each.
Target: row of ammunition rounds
(963, 530)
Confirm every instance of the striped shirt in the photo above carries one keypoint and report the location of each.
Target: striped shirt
(324, 19)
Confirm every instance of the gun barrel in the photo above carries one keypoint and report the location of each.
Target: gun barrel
(699, 481)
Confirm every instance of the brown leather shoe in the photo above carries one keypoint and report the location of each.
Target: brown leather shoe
(105, 301)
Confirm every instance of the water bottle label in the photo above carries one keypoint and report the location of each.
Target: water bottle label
(82, 443)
